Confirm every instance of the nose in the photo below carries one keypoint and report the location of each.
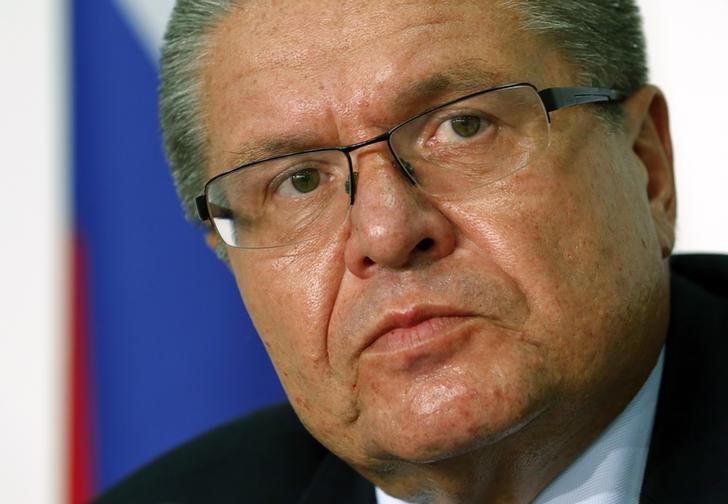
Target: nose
(393, 224)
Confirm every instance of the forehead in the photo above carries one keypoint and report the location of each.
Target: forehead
(324, 72)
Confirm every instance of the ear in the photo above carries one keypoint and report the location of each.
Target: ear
(212, 239)
(647, 126)
(218, 246)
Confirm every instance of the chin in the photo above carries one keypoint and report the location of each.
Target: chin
(467, 421)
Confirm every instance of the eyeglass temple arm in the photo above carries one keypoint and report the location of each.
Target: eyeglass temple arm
(202, 212)
(556, 98)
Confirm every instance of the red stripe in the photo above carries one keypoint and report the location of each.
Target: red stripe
(80, 439)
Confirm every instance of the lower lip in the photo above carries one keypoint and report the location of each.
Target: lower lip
(424, 336)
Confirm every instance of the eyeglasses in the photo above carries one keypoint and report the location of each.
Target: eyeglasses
(453, 148)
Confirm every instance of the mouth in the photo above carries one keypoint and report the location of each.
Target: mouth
(416, 331)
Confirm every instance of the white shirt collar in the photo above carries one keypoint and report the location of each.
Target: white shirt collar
(611, 470)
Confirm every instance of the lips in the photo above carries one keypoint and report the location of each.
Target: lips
(414, 329)
(421, 313)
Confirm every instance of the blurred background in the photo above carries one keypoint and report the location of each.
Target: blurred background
(121, 335)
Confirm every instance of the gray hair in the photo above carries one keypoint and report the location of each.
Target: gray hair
(183, 56)
(601, 39)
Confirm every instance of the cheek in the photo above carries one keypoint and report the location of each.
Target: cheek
(576, 238)
(290, 299)
(562, 220)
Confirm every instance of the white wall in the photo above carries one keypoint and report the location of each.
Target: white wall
(686, 42)
(33, 250)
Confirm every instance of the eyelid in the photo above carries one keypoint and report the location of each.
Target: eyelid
(439, 117)
(285, 175)
(327, 175)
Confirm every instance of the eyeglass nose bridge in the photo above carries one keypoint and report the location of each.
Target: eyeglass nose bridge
(405, 168)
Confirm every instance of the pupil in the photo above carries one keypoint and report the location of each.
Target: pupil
(305, 180)
(465, 126)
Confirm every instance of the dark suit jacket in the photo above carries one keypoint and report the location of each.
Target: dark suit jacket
(269, 457)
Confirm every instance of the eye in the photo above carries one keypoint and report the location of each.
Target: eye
(301, 177)
(465, 126)
(306, 180)
(459, 127)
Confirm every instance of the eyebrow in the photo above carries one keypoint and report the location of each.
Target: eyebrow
(436, 87)
(462, 79)
(258, 151)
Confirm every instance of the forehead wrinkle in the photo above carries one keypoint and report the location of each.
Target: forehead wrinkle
(406, 100)
(422, 93)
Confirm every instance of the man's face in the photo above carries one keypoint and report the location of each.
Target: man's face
(424, 328)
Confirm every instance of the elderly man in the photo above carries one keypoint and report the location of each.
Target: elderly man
(451, 224)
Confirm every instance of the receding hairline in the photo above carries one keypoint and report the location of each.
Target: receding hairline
(604, 43)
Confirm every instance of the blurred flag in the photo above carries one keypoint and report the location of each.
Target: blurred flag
(163, 348)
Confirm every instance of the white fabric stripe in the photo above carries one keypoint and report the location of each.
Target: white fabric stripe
(34, 251)
(148, 18)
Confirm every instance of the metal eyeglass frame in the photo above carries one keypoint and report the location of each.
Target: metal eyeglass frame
(553, 99)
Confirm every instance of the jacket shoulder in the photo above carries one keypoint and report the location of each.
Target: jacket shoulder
(708, 271)
(690, 433)
(267, 456)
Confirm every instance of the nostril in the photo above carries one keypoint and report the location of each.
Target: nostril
(425, 244)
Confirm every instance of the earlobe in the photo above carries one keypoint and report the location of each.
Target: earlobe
(217, 245)
(648, 127)
(212, 240)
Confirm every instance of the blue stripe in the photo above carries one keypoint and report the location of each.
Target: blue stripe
(173, 350)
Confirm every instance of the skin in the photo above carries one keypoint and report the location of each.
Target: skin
(527, 313)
